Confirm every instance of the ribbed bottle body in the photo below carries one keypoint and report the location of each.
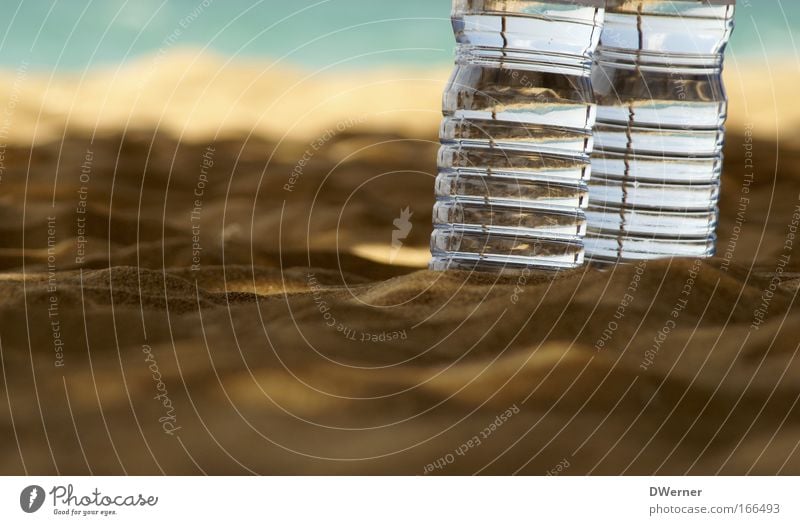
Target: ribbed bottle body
(660, 129)
(514, 163)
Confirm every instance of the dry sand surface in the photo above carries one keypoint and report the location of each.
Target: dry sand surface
(198, 277)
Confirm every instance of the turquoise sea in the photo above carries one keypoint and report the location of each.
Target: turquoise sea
(76, 34)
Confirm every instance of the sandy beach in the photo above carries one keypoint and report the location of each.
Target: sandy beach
(199, 276)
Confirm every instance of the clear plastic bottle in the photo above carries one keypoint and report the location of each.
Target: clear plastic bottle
(517, 135)
(660, 129)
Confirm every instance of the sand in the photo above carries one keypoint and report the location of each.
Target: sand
(198, 276)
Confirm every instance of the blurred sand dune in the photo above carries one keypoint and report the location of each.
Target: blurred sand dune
(195, 266)
(195, 95)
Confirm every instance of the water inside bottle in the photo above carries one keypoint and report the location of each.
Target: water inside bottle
(660, 129)
(514, 165)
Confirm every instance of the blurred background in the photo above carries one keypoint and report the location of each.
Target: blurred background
(76, 34)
